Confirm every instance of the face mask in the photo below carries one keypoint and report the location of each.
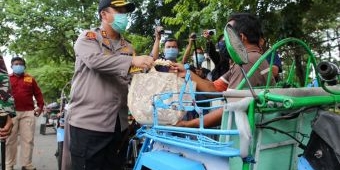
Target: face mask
(120, 22)
(18, 69)
(200, 59)
(171, 54)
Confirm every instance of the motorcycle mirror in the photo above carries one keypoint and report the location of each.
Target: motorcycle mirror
(235, 46)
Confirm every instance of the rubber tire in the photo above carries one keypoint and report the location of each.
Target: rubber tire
(60, 154)
(43, 129)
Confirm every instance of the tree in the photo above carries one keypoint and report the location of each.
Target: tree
(43, 32)
(304, 19)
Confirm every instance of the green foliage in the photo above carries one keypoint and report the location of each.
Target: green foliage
(44, 31)
(148, 15)
(52, 78)
(142, 44)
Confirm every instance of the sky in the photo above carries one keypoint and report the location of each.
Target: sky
(8, 63)
(7, 59)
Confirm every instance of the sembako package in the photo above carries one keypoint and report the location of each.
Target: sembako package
(145, 86)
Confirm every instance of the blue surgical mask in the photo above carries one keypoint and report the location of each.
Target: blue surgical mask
(171, 53)
(200, 59)
(18, 69)
(120, 22)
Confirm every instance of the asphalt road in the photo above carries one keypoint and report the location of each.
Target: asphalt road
(44, 149)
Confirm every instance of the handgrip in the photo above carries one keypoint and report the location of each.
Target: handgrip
(328, 72)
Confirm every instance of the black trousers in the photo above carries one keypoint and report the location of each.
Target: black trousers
(92, 150)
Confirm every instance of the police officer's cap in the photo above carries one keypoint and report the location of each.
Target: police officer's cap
(130, 7)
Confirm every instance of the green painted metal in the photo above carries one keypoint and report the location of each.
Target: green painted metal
(251, 119)
(272, 50)
(329, 90)
(270, 73)
(307, 71)
(233, 44)
(260, 111)
(290, 79)
(297, 102)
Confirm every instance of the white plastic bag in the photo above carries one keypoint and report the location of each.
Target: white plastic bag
(144, 86)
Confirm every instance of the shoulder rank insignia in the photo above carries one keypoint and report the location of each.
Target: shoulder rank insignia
(106, 42)
(125, 50)
(104, 34)
(91, 35)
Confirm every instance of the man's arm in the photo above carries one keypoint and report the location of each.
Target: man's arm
(201, 84)
(155, 48)
(38, 96)
(91, 54)
(187, 51)
(211, 119)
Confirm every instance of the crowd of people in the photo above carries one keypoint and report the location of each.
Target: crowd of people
(98, 112)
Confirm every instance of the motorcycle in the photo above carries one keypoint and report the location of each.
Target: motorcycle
(51, 112)
(60, 125)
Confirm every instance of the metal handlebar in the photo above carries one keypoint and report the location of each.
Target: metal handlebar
(328, 72)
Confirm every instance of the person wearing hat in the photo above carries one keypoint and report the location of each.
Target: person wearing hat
(98, 113)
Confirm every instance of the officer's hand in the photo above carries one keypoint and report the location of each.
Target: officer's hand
(4, 132)
(143, 61)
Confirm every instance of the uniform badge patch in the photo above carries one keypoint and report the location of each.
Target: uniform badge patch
(135, 69)
(104, 34)
(91, 35)
(125, 50)
(106, 42)
(28, 79)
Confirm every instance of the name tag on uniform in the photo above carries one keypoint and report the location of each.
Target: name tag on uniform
(135, 69)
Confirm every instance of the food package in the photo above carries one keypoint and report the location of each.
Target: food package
(142, 89)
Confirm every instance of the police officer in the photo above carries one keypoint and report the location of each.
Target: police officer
(98, 107)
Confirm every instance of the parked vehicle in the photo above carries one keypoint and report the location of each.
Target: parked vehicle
(60, 125)
(270, 127)
(51, 115)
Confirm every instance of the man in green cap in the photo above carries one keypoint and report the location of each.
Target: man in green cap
(98, 107)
